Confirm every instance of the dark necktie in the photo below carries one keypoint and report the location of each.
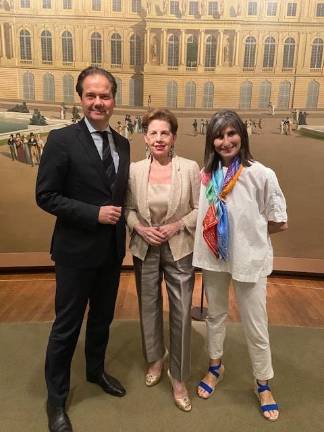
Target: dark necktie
(107, 159)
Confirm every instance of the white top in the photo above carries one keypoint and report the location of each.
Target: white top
(255, 199)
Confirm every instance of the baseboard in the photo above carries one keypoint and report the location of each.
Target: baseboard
(42, 261)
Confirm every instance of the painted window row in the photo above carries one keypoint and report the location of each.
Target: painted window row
(67, 87)
(135, 84)
(173, 50)
(214, 8)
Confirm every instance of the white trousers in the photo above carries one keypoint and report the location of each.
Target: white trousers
(251, 298)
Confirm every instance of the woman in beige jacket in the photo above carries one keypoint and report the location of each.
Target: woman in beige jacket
(161, 214)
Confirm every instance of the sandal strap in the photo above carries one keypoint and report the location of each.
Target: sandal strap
(215, 370)
(206, 387)
(270, 407)
(262, 387)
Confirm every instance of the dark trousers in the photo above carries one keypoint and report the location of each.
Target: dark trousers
(75, 289)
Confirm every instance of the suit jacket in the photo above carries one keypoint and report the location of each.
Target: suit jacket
(72, 185)
(183, 204)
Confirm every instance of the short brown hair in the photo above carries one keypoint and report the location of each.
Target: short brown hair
(95, 70)
(160, 114)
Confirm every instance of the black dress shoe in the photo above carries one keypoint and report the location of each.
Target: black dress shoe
(58, 420)
(108, 384)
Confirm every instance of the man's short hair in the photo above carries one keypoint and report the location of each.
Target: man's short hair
(95, 70)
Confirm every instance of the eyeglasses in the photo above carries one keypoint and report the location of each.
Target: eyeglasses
(163, 135)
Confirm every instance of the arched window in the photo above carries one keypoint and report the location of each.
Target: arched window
(192, 51)
(208, 100)
(269, 52)
(48, 88)
(173, 51)
(46, 44)
(68, 89)
(249, 52)
(116, 49)
(67, 47)
(190, 95)
(317, 54)
(28, 86)
(312, 95)
(135, 49)
(210, 52)
(265, 94)
(96, 48)
(135, 91)
(284, 95)
(289, 53)
(118, 97)
(246, 95)
(25, 46)
(172, 94)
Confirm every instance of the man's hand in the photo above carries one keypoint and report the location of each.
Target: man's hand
(109, 215)
(171, 229)
(151, 235)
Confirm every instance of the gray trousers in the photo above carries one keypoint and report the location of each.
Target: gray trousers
(179, 279)
(252, 298)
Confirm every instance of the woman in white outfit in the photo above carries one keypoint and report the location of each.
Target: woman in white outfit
(240, 204)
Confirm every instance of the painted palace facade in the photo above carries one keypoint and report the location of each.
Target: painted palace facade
(182, 54)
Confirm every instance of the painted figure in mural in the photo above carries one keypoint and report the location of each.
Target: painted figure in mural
(154, 50)
(161, 214)
(82, 180)
(63, 110)
(75, 114)
(12, 147)
(195, 126)
(20, 148)
(227, 50)
(40, 146)
(26, 149)
(32, 149)
(232, 243)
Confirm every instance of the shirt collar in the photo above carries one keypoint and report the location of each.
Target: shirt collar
(92, 129)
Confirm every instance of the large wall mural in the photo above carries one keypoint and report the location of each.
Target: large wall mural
(262, 58)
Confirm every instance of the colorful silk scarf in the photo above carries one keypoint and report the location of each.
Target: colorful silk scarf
(215, 223)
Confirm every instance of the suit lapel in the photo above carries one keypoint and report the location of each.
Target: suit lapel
(176, 185)
(123, 167)
(143, 207)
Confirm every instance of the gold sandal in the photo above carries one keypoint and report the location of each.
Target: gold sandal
(184, 402)
(152, 379)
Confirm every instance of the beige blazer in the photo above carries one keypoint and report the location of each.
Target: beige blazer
(183, 205)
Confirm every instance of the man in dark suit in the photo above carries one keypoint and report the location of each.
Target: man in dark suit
(82, 180)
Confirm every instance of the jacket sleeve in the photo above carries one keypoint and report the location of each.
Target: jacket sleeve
(190, 218)
(51, 186)
(130, 207)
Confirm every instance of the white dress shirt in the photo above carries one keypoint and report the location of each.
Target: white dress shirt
(97, 138)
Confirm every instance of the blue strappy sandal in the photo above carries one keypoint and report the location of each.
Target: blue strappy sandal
(218, 372)
(268, 407)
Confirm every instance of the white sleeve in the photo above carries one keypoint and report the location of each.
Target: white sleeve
(274, 200)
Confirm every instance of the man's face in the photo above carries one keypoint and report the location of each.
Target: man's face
(97, 100)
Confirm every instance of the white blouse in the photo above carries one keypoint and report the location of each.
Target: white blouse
(255, 199)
